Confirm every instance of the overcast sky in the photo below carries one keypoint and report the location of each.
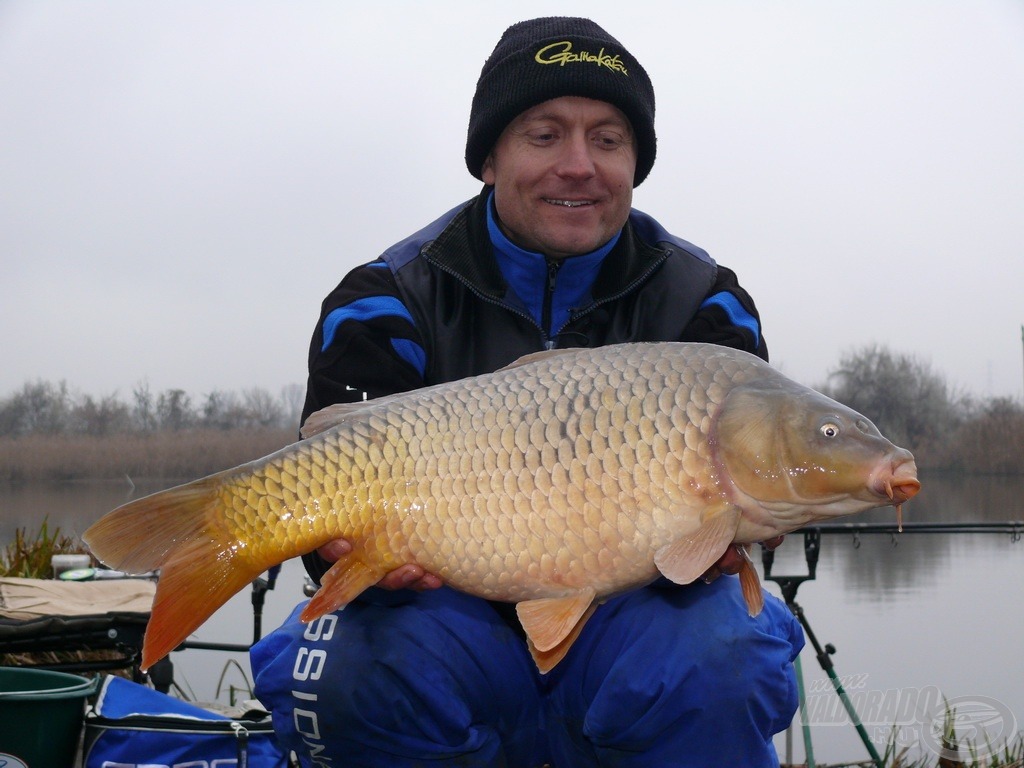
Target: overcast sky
(181, 183)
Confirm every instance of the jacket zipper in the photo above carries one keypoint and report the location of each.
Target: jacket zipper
(550, 341)
(623, 292)
(491, 300)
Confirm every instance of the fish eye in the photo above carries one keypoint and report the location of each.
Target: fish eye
(829, 429)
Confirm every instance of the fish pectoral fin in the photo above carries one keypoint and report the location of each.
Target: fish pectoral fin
(550, 620)
(750, 584)
(343, 583)
(686, 558)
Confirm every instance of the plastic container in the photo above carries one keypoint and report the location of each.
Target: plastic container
(41, 715)
(62, 563)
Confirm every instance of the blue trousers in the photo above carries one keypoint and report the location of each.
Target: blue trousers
(662, 676)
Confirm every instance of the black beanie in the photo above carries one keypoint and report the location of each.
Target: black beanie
(543, 59)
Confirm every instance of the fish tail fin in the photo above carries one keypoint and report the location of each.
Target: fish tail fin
(191, 588)
(200, 568)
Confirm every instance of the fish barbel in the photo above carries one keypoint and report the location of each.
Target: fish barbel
(565, 478)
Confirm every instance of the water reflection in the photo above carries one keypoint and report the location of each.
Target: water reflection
(887, 567)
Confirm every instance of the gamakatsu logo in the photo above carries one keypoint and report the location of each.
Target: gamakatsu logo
(562, 54)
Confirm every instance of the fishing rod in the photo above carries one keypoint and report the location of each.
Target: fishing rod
(1015, 528)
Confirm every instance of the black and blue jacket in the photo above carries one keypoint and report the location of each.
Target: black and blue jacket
(458, 299)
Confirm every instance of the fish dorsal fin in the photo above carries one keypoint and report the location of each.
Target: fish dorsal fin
(338, 413)
(533, 357)
(751, 586)
(342, 583)
(686, 558)
(329, 417)
(546, 660)
(550, 620)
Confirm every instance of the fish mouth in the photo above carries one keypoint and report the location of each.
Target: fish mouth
(902, 483)
(898, 482)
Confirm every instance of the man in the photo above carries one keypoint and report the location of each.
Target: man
(549, 255)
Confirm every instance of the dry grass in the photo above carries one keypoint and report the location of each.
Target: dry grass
(957, 754)
(185, 454)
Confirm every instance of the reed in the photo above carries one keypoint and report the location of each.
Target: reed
(956, 753)
(166, 455)
(29, 555)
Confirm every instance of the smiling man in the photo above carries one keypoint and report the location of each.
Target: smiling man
(562, 174)
(549, 254)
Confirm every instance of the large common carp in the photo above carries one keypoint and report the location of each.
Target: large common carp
(558, 481)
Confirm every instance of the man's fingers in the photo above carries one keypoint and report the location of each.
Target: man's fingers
(410, 576)
(334, 550)
(733, 560)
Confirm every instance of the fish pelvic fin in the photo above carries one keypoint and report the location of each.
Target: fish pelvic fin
(750, 584)
(342, 583)
(687, 558)
(547, 660)
(176, 532)
(553, 623)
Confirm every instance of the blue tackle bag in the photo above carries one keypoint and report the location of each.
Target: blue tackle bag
(132, 725)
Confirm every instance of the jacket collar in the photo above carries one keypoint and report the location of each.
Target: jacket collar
(464, 250)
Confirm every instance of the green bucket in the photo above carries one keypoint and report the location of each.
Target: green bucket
(41, 715)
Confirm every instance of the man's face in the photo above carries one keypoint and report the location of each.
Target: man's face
(563, 176)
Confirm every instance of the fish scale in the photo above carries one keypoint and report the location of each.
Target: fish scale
(554, 483)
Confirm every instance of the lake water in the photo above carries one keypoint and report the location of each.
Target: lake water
(914, 618)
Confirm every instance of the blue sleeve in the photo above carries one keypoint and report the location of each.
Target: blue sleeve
(728, 317)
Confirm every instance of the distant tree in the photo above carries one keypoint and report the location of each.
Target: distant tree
(220, 410)
(992, 440)
(44, 408)
(174, 410)
(903, 396)
(144, 411)
(105, 416)
(40, 407)
(10, 416)
(261, 409)
(293, 397)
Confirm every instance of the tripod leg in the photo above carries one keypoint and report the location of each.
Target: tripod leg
(804, 724)
(825, 660)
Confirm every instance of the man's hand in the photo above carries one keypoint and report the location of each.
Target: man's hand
(408, 576)
(734, 558)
